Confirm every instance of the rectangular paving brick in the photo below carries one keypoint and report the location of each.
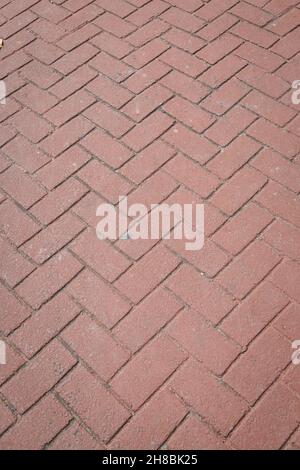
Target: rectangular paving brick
(211, 398)
(249, 268)
(14, 267)
(204, 296)
(99, 344)
(141, 278)
(13, 313)
(99, 298)
(148, 370)
(144, 321)
(201, 340)
(113, 414)
(58, 201)
(254, 313)
(39, 426)
(49, 279)
(150, 427)
(264, 429)
(38, 376)
(45, 324)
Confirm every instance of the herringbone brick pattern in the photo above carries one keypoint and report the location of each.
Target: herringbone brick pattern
(143, 344)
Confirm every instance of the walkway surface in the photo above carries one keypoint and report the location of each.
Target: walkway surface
(143, 344)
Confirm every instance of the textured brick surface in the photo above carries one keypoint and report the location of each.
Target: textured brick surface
(142, 344)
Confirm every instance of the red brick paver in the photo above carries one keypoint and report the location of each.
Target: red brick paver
(141, 344)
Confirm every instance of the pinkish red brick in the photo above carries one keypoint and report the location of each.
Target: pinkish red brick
(222, 71)
(219, 48)
(248, 269)
(104, 181)
(287, 277)
(184, 62)
(185, 86)
(285, 238)
(230, 126)
(254, 313)
(260, 365)
(265, 82)
(206, 297)
(182, 20)
(280, 201)
(144, 321)
(25, 154)
(62, 167)
(45, 324)
(202, 341)
(217, 27)
(144, 276)
(99, 298)
(35, 98)
(111, 67)
(194, 434)
(253, 33)
(79, 18)
(259, 56)
(151, 426)
(118, 7)
(49, 279)
(218, 404)
(109, 91)
(58, 201)
(278, 169)
(147, 161)
(214, 9)
(65, 136)
(78, 388)
(146, 102)
(234, 156)
(30, 125)
(54, 237)
(40, 74)
(192, 175)
(147, 371)
(112, 45)
(269, 424)
(24, 189)
(183, 40)
(73, 82)
(115, 25)
(190, 143)
(38, 427)
(13, 312)
(287, 323)
(109, 119)
(90, 342)
(146, 132)
(16, 224)
(38, 376)
(7, 418)
(75, 437)
(238, 190)
(146, 12)
(53, 13)
(78, 37)
(147, 32)
(103, 146)
(14, 267)
(242, 228)
(69, 108)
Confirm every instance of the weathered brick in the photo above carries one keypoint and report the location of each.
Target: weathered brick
(45, 324)
(49, 279)
(76, 391)
(148, 370)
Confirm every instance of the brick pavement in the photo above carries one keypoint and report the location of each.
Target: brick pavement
(142, 344)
